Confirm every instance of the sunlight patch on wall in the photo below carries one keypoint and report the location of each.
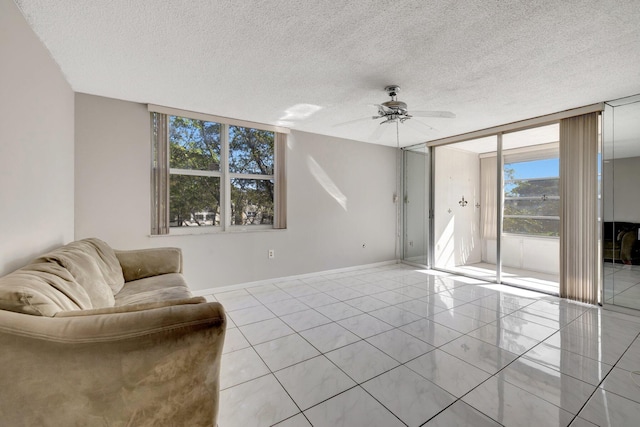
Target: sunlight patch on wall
(326, 182)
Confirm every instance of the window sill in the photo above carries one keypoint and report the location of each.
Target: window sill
(195, 231)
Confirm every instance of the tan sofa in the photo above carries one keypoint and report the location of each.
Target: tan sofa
(90, 336)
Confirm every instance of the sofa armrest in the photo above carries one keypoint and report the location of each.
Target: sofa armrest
(141, 263)
(152, 367)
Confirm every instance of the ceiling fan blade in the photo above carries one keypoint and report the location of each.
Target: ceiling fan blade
(382, 109)
(440, 114)
(419, 126)
(377, 133)
(353, 122)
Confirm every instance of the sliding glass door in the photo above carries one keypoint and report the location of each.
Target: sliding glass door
(530, 238)
(496, 208)
(464, 200)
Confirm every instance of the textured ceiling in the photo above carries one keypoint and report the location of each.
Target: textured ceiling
(312, 65)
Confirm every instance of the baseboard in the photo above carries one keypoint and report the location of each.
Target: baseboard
(209, 291)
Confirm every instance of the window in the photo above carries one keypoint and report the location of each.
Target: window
(220, 174)
(194, 174)
(532, 197)
(251, 163)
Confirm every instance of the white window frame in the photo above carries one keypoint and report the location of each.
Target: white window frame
(161, 172)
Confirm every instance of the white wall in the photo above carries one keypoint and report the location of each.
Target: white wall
(456, 228)
(113, 193)
(36, 145)
(621, 190)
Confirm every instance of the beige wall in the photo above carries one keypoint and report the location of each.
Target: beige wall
(36, 145)
(113, 192)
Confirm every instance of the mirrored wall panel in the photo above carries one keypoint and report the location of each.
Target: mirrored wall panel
(621, 202)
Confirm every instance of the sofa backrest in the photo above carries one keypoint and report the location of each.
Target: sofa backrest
(81, 275)
(42, 289)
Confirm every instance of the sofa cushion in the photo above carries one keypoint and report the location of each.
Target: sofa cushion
(42, 289)
(90, 266)
(108, 263)
(153, 289)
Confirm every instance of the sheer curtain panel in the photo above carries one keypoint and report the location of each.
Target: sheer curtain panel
(488, 197)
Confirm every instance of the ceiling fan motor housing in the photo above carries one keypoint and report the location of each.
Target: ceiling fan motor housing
(394, 106)
(398, 106)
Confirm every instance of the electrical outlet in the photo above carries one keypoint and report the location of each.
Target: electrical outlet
(272, 254)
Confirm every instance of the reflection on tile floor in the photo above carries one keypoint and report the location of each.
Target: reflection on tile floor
(397, 346)
(528, 279)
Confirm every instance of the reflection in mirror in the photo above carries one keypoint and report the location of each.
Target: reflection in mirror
(621, 202)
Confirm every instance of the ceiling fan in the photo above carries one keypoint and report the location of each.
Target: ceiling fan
(395, 111)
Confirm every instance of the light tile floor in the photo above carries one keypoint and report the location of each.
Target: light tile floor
(397, 346)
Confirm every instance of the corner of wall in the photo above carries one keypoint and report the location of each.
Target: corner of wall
(36, 146)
